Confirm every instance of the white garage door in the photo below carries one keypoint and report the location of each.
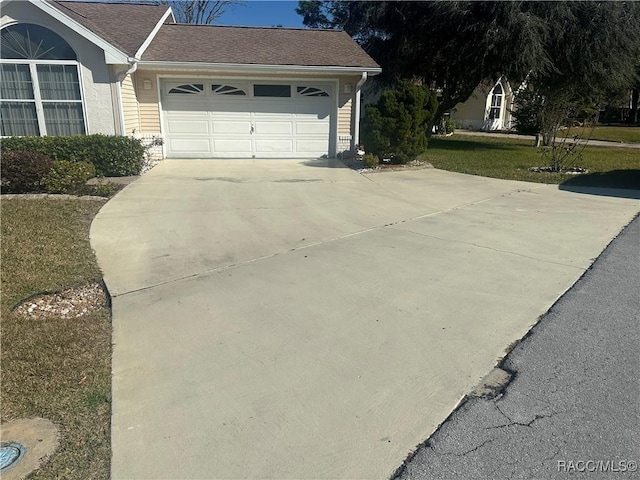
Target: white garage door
(227, 119)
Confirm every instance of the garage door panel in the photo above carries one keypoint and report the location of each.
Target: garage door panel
(320, 109)
(270, 145)
(179, 126)
(312, 128)
(187, 107)
(231, 127)
(232, 147)
(234, 110)
(194, 146)
(271, 109)
(273, 128)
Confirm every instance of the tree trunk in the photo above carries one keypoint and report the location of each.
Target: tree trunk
(633, 113)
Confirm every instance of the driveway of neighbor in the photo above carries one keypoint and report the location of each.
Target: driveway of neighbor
(295, 319)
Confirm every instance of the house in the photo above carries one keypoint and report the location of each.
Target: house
(198, 91)
(488, 108)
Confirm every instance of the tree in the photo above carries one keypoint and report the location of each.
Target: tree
(593, 48)
(449, 46)
(574, 53)
(397, 125)
(198, 11)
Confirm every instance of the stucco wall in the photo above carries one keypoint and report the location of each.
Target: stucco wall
(96, 77)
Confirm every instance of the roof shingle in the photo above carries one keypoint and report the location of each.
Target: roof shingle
(256, 46)
(124, 25)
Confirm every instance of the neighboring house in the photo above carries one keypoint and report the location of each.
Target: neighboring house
(488, 108)
(204, 91)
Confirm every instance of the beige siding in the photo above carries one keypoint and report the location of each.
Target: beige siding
(130, 106)
(148, 103)
(470, 114)
(345, 112)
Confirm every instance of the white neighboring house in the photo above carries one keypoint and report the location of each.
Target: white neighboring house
(73, 68)
(489, 108)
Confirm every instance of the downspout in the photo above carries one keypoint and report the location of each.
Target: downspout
(133, 66)
(356, 129)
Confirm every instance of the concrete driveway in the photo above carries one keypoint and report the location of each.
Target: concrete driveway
(292, 319)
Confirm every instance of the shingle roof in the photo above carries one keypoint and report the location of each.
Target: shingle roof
(124, 25)
(256, 46)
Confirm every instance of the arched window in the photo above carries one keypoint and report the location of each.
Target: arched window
(496, 102)
(40, 90)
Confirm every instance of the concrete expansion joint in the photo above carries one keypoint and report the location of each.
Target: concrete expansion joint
(497, 250)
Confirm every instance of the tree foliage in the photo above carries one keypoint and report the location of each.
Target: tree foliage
(571, 52)
(397, 125)
(449, 46)
(199, 11)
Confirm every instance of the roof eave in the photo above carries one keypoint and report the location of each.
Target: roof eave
(257, 68)
(112, 54)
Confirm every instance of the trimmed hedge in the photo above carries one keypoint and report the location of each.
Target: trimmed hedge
(22, 172)
(112, 156)
(68, 177)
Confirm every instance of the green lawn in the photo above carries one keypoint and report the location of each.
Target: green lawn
(511, 159)
(621, 134)
(59, 369)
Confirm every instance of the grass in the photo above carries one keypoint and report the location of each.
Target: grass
(621, 134)
(511, 159)
(45, 248)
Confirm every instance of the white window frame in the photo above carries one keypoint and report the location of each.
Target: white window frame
(499, 98)
(37, 97)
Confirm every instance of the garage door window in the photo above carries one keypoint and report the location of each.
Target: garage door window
(187, 89)
(227, 90)
(281, 91)
(312, 92)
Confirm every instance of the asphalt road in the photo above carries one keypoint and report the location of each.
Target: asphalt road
(572, 409)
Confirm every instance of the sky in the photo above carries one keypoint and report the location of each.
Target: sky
(262, 13)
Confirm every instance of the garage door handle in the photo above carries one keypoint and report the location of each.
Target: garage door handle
(253, 129)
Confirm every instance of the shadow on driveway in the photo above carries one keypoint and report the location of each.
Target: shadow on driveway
(616, 183)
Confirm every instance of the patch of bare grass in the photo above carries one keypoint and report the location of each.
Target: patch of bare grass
(56, 367)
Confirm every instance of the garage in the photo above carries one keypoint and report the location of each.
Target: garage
(222, 118)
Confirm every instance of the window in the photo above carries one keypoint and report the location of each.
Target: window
(40, 90)
(312, 92)
(227, 90)
(187, 89)
(496, 102)
(281, 91)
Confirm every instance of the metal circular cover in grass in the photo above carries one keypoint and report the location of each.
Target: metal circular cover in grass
(10, 454)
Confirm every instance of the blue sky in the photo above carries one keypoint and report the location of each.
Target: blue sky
(262, 13)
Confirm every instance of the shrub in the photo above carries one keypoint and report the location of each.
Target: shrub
(527, 115)
(68, 177)
(105, 189)
(449, 125)
(370, 160)
(23, 172)
(112, 156)
(398, 124)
